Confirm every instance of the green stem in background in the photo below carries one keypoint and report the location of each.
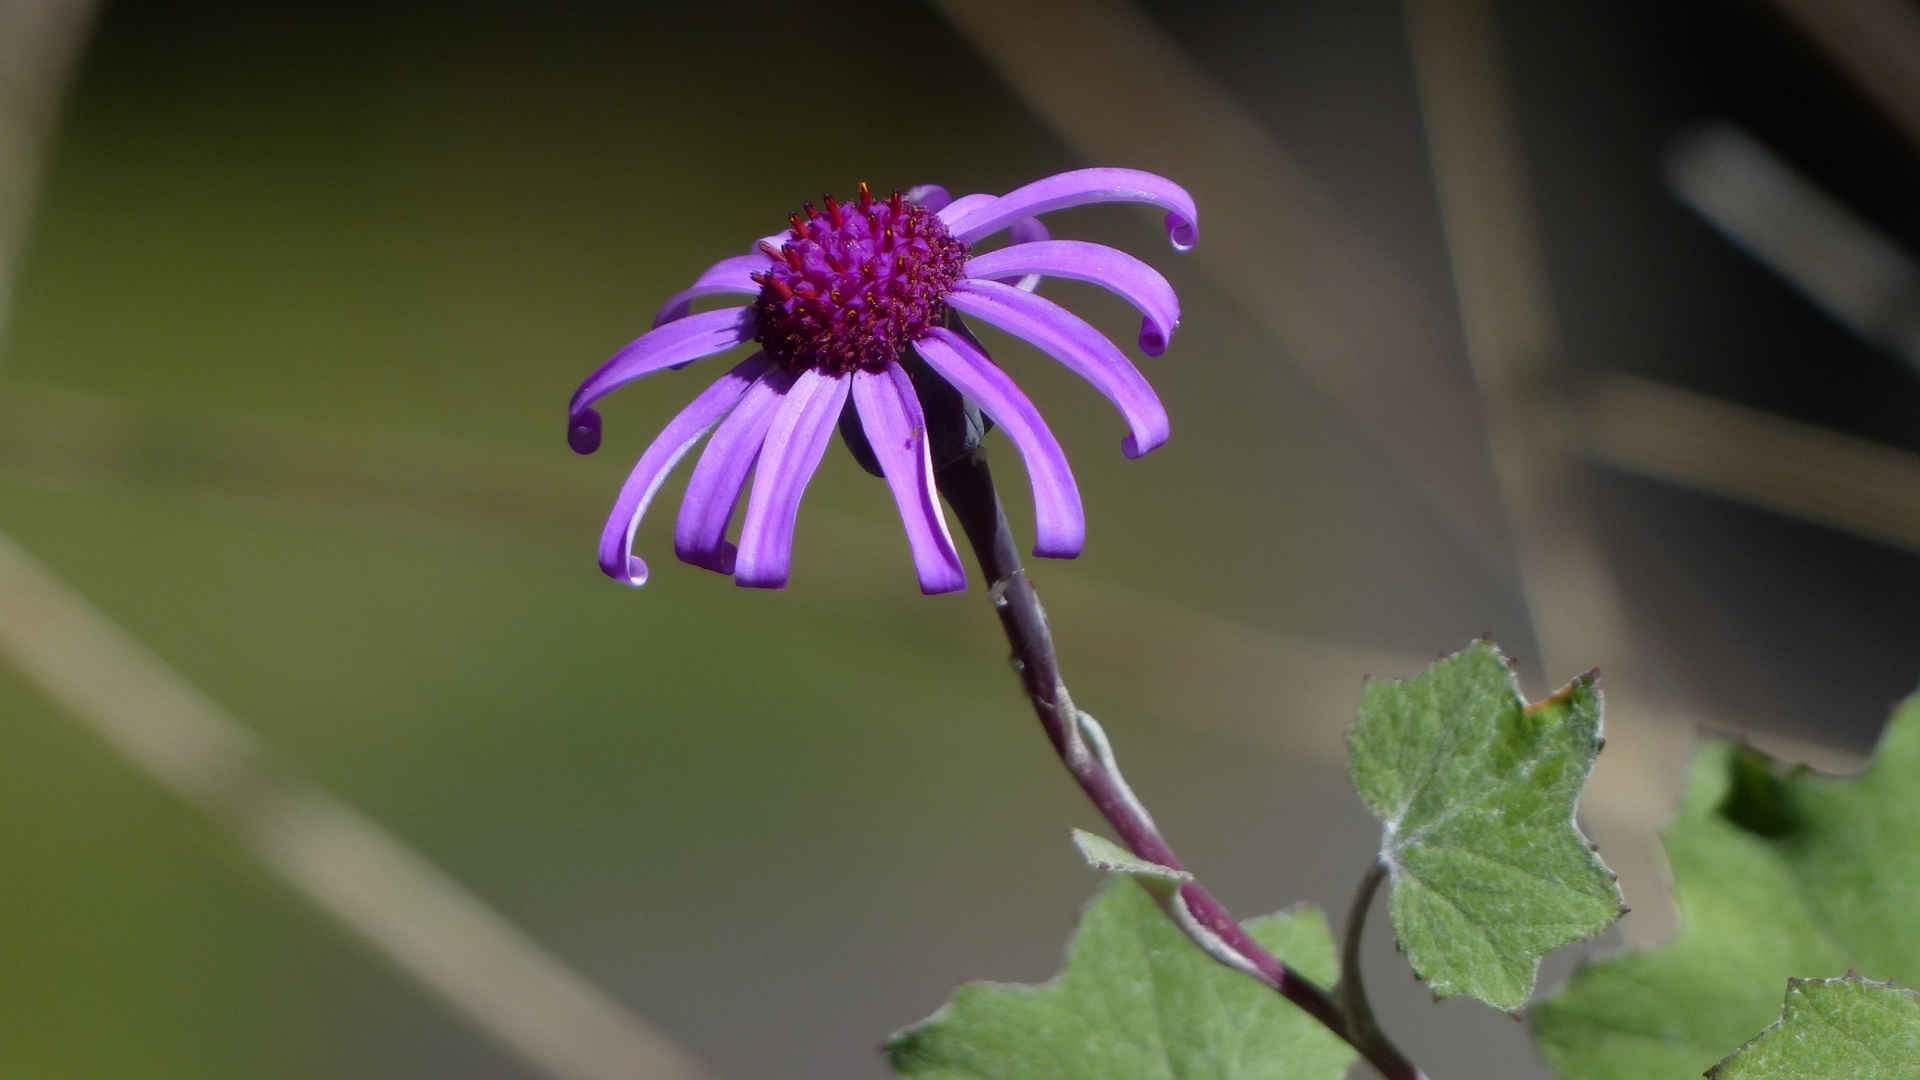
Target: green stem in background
(967, 485)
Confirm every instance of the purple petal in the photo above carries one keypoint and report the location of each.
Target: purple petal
(797, 439)
(1078, 188)
(726, 276)
(616, 540)
(700, 536)
(1027, 231)
(1023, 231)
(1116, 271)
(1060, 524)
(1068, 339)
(897, 430)
(678, 342)
(583, 432)
(932, 196)
(965, 204)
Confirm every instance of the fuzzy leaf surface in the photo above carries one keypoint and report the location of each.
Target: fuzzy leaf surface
(1834, 1027)
(1136, 1001)
(1476, 790)
(1778, 872)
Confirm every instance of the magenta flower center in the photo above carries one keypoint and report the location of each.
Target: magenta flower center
(853, 285)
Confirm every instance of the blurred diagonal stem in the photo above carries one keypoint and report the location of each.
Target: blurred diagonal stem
(967, 484)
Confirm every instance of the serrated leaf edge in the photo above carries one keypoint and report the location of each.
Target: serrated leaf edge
(1793, 986)
(1391, 841)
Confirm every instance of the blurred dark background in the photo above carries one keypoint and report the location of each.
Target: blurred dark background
(1503, 320)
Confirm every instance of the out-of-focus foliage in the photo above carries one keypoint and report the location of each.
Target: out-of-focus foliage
(1834, 1027)
(1779, 872)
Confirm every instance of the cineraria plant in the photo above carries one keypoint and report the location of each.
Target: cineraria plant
(1787, 883)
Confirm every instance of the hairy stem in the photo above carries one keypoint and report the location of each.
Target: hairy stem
(967, 485)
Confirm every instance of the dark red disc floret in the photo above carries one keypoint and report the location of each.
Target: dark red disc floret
(853, 285)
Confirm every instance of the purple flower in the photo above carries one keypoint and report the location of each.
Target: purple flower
(845, 301)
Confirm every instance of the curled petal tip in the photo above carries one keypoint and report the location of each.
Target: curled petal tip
(583, 431)
(1072, 341)
(1152, 341)
(758, 581)
(634, 573)
(1134, 449)
(1181, 233)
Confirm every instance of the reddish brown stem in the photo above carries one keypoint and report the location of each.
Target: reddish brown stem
(967, 485)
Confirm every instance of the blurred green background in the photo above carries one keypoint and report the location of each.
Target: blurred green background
(283, 390)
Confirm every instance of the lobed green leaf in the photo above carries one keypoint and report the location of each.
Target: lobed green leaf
(1476, 790)
(1136, 1001)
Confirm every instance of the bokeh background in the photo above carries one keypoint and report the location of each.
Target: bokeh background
(326, 751)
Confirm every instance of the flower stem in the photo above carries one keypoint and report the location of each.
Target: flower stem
(967, 485)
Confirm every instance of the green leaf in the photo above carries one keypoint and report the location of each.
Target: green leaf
(1477, 791)
(1834, 1027)
(1777, 872)
(1137, 1001)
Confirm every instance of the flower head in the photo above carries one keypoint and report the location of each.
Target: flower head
(848, 300)
(854, 287)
